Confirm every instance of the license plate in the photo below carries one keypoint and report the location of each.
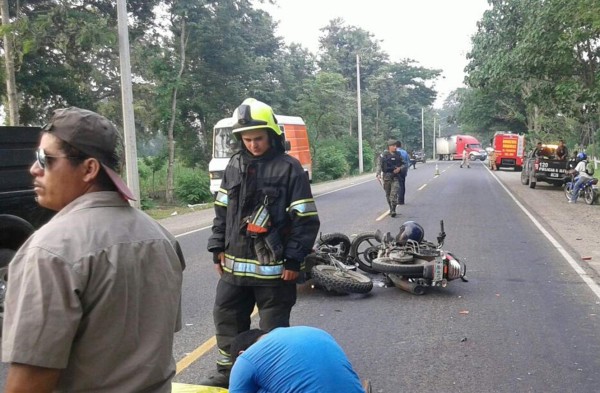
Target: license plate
(554, 175)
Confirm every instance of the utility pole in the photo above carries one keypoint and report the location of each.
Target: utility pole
(433, 158)
(360, 149)
(423, 130)
(127, 104)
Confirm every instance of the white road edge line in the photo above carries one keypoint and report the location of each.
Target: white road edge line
(570, 260)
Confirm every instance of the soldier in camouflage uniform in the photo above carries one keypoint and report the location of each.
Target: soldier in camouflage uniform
(389, 165)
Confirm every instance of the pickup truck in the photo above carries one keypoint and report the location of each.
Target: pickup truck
(543, 166)
(20, 214)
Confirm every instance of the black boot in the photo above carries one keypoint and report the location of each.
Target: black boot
(393, 211)
(218, 379)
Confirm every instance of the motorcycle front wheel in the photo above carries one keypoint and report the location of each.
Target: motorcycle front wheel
(568, 188)
(589, 195)
(364, 249)
(336, 242)
(337, 280)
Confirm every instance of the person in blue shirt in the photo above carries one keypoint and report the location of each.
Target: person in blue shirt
(403, 172)
(291, 359)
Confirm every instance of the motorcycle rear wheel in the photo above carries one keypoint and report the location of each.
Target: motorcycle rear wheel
(589, 195)
(336, 280)
(364, 249)
(389, 265)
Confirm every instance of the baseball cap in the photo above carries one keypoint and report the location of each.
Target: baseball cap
(391, 142)
(93, 135)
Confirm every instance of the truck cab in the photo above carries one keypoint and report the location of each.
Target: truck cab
(226, 145)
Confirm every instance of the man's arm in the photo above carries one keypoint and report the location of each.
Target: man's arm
(23, 378)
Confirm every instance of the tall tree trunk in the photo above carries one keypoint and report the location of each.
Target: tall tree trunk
(170, 138)
(11, 84)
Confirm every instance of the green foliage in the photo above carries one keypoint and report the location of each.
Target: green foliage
(192, 186)
(331, 161)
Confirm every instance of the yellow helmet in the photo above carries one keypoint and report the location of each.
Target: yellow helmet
(253, 114)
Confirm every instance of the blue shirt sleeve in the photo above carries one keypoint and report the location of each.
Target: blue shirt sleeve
(243, 377)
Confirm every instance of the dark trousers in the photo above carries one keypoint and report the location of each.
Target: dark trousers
(233, 308)
(402, 185)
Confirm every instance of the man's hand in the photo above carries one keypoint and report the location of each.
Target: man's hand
(219, 266)
(289, 275)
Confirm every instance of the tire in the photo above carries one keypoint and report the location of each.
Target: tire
(408, 270)
(518, 168)
(336, 280)
(532, 181)
(334, 241)
(589, 195)
(568, 189)
(13, 231)
(472, 157)
(364, 249)
(524, 178)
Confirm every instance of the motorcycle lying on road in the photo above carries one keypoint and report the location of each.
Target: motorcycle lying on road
(588, 190)
(407, 260)
(331, 269)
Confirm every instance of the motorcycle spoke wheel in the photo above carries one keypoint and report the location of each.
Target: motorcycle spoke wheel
(589, 195)
(364, 249)
(389, 265)
(336, 280)
(568, 188)
(337, 242)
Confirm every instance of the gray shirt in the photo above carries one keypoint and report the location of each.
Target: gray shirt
(97, 292)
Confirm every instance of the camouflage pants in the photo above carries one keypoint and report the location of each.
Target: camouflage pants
(391, 187)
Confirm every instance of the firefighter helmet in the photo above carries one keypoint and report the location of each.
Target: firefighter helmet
(253, 114)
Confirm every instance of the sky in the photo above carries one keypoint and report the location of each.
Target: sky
(434, 33)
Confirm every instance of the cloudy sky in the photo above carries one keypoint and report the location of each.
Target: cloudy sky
(435, 33)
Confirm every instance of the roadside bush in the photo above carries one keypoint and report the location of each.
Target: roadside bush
(192, 186)
(330, 163)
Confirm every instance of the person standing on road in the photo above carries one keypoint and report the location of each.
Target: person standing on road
(492, 160)
(413, 160)
(581, 171)
(465, 158)
(265, 224)
(403, 173)
(388, 168)
(561, 151)
(293, 359)
(94, 295)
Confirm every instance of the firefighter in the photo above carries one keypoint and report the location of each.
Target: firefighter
(265, 223)
(389, 167)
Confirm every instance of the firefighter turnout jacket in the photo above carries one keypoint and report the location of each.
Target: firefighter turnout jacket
(278, 182)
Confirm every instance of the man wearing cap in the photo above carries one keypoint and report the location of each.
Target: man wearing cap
(265, 223)
(389, 166)
(94, 295)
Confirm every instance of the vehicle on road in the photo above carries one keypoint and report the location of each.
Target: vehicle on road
(331, 269)
(418, 156)
(226, 145)
(452, 147)
(509, 150)
(545, 167)
(410, 262)
(20, 214)
(588, 190)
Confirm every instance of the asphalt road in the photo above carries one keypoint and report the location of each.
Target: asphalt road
(526, 321)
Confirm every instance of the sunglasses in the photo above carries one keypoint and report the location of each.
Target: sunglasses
(42, 158)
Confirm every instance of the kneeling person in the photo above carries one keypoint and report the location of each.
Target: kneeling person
(290, 359)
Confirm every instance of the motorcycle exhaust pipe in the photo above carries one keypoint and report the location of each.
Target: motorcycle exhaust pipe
(408, 286)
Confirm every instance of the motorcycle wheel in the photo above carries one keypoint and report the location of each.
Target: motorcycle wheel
(524, 178)
(389, 265)
(364, 249)
(336, 280)
(568, 188)
(589, 195)
(336, 240)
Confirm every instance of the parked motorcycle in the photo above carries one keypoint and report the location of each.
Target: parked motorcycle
(588, 190)
(330, 268)
(410, 262)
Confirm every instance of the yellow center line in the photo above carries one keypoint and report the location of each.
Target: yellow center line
(200, 351)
